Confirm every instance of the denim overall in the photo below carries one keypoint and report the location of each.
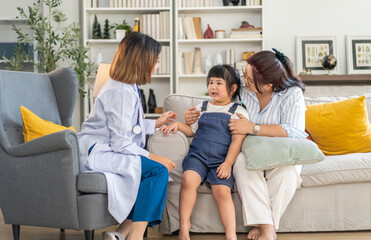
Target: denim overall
(210, 146)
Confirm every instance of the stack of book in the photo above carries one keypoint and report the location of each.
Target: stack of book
(127, 3)
(189, 27)
(156, 25)
(164, 61)
(246, 33)
(195, 3)
(253, 3)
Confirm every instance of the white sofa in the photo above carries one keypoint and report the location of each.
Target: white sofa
(335, 194)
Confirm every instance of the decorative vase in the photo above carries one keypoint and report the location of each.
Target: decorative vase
(209, 33)
(143, 100)
(197, 61)
(218, 58)
(120, 34)
(234, 2)
(208, 64)
(151, 101)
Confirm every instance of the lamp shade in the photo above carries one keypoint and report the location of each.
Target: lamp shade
(102, 77)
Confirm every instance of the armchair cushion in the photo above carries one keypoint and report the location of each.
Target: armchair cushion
(35, 127)
(92, 182)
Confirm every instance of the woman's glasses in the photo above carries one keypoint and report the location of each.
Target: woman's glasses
(249, 81)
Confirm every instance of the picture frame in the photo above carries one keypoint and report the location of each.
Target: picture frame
(311, 49)
(358, 54)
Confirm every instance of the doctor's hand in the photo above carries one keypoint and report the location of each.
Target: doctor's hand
(170, 165)
(241, 126)
(169, 116)
(191, 115)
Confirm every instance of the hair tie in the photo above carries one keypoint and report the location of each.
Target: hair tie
(279, 55)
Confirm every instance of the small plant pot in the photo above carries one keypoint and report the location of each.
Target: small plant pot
(120, 34)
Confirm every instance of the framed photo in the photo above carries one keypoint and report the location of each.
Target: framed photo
(311, 50)
(358, 54)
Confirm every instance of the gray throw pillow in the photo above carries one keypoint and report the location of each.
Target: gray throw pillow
(262, 153)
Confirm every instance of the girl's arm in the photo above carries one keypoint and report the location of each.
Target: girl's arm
(175, 126)
(225, 169)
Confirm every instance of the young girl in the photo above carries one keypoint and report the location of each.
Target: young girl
(213, 150)
(113, 138)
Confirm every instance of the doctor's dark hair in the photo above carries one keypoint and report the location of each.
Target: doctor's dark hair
(230, 76)
(135, 57)
(273, 68)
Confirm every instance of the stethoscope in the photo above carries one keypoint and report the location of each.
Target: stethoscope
(137, 129)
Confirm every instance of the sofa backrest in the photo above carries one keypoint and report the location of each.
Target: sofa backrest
(180, 103)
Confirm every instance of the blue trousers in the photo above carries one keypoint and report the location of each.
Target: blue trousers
(152, 193)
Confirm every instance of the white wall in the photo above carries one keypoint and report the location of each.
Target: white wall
(285, 19)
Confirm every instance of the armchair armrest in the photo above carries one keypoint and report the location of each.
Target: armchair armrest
(53, 142)
(173, 146)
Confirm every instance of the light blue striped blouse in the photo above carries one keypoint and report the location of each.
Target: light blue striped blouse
(286, 108)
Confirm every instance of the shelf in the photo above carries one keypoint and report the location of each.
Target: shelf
(356, 79)
(153, 76)
(223, 40)
(193, 76)
(11, 21)
(236, 9)
(125, 10)
(115, 41)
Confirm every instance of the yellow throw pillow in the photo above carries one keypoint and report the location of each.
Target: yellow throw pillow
(340, 127)
(35, 127)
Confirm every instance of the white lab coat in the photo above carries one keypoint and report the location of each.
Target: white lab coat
(118, 149)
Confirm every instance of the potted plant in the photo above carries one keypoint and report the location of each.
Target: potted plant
(121, 29)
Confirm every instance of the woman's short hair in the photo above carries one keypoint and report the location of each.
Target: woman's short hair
(135, 57)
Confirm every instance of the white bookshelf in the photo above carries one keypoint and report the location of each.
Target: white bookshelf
(162, 84)
(219, 17)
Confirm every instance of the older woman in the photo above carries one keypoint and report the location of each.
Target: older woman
(274, 99)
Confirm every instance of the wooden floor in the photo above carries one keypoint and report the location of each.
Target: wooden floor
(36, 233)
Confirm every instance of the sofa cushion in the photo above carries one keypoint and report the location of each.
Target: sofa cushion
(262, 153)
(92, 182)
(338, 169)
(340, 127)
(319, 100)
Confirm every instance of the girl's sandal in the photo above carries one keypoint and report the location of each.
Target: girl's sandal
(112, 236)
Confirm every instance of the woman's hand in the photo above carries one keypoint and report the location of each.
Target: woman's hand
(170, 165)
(224, 170)
(171, 127)
(191, 115)
(164, 118)
(241, 126)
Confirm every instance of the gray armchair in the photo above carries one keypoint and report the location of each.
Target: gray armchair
(40, 181)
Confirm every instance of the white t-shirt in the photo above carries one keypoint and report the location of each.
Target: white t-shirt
(223, 109)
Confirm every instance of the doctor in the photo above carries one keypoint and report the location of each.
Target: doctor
(113, 138)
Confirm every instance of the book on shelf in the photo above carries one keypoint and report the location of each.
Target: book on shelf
(180, 28)
(195, 3)
(230, 57)
(188, 27)
(180, 63)
(197, 26)
(188, 62)
(246, 33)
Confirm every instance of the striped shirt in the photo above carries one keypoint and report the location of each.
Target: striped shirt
(286, 108)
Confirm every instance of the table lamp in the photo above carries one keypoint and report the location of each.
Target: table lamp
(101, 78)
